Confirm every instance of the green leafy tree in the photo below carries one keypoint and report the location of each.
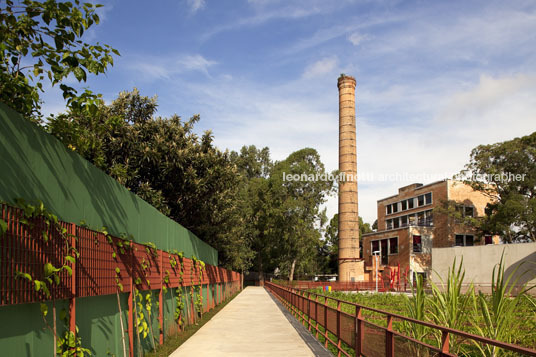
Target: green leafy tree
(297, 208)
(42, 41)
(506, 172)
(164, 162)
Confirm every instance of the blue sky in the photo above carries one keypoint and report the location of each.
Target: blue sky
(434, 78)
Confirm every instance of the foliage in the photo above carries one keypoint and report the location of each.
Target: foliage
(500, 315)
(166, 163)
(51, 274)
(3, 227)
(522, 332)
(448, 305)
(197, 293)
(142, 326)
(512, 212)
(43, 40)
(70, 343)
(179, 305)
(416, 308)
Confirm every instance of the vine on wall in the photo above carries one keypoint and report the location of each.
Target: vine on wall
(38, 219)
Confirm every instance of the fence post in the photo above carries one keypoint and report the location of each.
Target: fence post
(389, 338)
(359, 332)
(131, 307)
(316, 315)
(161, 299)
(326, 321)
(309, 309)
(338, 327)
(445, 340)
(208, 297)
(72, 301)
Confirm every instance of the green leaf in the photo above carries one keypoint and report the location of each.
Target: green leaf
(69, 270)
(37, 284)
(23, 275)
(63, 314)
(3, 227)
(44, 309)
(117, 270)
(80, 74)
(49, 269)
(70, 259)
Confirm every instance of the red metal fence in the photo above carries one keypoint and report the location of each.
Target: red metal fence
(104, 265)
(361, 332)
(339, 286)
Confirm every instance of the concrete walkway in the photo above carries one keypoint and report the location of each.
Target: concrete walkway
(253, 324)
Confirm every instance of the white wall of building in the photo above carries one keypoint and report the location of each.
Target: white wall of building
(479, 262)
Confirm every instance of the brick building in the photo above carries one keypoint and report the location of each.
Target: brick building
(409, 226)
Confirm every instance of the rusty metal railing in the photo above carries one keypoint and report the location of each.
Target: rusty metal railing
(339, 286)
(366, 337)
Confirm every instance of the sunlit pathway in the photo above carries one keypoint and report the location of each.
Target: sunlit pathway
(250, 325)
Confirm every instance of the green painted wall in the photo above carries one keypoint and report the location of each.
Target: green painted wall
(35, 165)
(24, 333)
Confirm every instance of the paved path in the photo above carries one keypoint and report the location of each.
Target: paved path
(253, 324)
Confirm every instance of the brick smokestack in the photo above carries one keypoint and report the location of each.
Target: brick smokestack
(349, 269)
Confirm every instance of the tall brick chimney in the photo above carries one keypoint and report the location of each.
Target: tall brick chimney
(350, 266)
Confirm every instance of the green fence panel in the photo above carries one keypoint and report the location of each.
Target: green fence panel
(35, 165)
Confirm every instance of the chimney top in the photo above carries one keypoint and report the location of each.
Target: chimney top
(345, 78)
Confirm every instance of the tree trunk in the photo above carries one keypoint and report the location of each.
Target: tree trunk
(291, 275)
(261, 273)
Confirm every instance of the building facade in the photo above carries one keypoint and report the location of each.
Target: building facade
(410, 225)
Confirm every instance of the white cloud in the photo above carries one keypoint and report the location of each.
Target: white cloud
(302, 114)
(320, 67)
(269, 10)
(356, 38)
(195, 63)
(158, 68)
(196, 5)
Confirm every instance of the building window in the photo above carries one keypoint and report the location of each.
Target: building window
(375, 246)
(428, 198)
(393, 245)
(422, 275)
(389, 224)
(404, 205)
(465, 211)
(469, 240)
(410, 203)
(396, 222)
(420, 200)
(417, 244)
(384, 247)
(488, 240)
(411, 219)
(388, 209)
(469, 211)
(429, 218)
(464, 240)
(404, 221)
(395, 207)
(420, 218)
